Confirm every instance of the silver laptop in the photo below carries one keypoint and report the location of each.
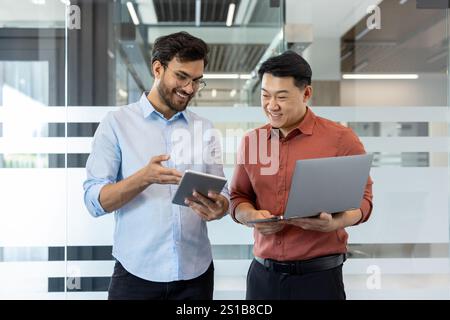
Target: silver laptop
(326, 185)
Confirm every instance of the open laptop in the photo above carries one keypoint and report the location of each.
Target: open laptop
(325, 185)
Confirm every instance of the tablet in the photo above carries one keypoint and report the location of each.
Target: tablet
(198, 181)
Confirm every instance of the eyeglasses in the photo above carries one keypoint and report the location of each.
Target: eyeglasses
(184, 81)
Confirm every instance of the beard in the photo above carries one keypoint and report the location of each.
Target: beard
(172, 99)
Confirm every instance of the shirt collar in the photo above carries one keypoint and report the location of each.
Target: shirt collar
(305, 126)
(148, 109)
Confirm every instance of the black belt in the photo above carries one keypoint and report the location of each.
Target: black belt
(303, 266)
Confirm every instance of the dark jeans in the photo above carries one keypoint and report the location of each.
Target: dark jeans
(263, 284)
(125, 286)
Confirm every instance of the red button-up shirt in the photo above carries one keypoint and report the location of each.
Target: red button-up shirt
(315, 137)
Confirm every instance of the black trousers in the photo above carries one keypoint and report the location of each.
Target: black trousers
(263, 284)
(125, 286)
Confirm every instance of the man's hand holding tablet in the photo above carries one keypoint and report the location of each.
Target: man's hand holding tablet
(201, 192)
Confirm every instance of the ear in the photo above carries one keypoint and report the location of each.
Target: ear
(157, 69)
(307, 94)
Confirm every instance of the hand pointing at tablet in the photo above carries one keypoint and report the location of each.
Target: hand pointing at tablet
(155, 172)
(114, 196)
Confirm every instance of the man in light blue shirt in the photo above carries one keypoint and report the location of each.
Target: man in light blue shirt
(138, 156)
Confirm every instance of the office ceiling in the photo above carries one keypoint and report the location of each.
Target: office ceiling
(235, 58)
(212, 12)
(227, 55)
(184, 10)
(410, 40)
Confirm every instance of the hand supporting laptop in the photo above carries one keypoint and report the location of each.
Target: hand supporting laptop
(324, 222)
(265, 228)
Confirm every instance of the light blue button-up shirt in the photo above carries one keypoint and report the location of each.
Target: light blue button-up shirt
(153, 238)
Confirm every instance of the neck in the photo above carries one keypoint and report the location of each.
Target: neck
(285, 131)
(159, 105)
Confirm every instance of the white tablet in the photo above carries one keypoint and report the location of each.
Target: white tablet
(198, 181)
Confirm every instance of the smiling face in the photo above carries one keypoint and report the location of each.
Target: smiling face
(174, 94)
(283, 102)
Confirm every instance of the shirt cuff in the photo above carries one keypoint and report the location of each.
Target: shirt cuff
(234, 204)
(366, 209)
(92, 200)
(226, 194)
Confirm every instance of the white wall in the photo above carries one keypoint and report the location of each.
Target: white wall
(428, 90)
(323, 56)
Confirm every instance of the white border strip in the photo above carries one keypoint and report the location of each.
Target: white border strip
(255, 114)
(83, 145)
(224, 268)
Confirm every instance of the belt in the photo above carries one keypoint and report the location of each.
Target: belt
(303, 266)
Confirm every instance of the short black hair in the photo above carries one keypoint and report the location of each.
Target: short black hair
(288, 64)
(182, 45)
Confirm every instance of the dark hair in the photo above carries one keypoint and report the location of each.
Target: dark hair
(181, 45)
(288, 64)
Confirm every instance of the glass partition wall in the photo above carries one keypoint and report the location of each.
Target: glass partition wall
(379, 67)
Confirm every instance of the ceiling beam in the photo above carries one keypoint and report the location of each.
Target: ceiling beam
(245, 12)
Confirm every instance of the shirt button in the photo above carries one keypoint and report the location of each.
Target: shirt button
(278, 242)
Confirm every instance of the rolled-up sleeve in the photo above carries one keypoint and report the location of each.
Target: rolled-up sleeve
(102, 166)
(241, 189)
(351, 145)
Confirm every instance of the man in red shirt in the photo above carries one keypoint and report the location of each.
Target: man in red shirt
(300, 258)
